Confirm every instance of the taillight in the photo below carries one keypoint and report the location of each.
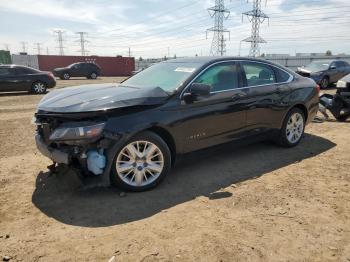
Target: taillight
(318, 88)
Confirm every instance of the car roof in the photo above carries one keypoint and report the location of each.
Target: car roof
(212, 59)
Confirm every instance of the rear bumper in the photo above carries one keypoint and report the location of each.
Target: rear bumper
(51, 83)
(55, 155)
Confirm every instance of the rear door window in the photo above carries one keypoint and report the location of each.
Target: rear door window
(258, 74)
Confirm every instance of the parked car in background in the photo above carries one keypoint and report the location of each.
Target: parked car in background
(22, 78)
(325, 72)
(131, 133)
(88, 70)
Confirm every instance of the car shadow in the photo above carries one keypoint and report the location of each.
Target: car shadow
(203, 173)
(16, 93)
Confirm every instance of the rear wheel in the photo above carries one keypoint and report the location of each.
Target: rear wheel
(324, 82)
(142, 163)
(293, 128)
(39, 88)
(93, 75)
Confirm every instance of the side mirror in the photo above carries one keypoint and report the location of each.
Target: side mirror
(198, 89)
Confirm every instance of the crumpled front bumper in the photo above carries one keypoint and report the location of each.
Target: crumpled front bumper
(55, 155)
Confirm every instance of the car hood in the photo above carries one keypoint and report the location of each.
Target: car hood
(309, 70)
(100, 97)
(60, 69)
(346, 78)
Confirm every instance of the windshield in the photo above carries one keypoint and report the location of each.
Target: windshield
(318, 66)
(168, 76)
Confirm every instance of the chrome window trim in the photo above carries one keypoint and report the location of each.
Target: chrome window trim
(290, 79)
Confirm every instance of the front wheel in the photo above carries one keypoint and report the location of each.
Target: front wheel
(293, 128)
(142, 163)
(324, 82)
(66, 76)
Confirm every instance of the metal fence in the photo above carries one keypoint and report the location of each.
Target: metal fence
(26, 60)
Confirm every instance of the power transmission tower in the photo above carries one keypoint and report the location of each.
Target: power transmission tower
(220, 13)
(256, 17)
(7, 47)
(60, 41)
(47, 51)
(82, 42)
(38, 48)
(24, 46)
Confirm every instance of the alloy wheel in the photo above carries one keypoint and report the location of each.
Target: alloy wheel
(93, 76)
(139, 163)
(66, 76)
(39, 88)
(295, 128)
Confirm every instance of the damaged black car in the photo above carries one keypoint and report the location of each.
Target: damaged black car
(130, 134)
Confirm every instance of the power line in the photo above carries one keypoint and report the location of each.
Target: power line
(60, 41)
(219, 12)
(82, 41)
(256, 17)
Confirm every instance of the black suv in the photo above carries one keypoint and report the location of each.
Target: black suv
(130, 133)
(88, 70)
(22, 78)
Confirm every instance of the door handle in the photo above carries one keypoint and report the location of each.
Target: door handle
(238, 96)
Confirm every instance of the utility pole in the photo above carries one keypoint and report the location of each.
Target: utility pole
(82, 42)
(256, 17)
(219, 12)
(60, 41)
(129, 52)
(24, 46)
(38, 48)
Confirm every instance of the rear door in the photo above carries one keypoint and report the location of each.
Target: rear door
(266, 88)
(24, 77)
(219, 118)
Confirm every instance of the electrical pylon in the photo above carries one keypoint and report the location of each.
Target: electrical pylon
(220, 13)
(256, 17)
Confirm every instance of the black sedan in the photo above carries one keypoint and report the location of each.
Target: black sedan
(82, 69)
(325, 72)
(22, 78)
(130, 134)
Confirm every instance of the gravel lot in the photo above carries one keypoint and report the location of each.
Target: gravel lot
(256, 202)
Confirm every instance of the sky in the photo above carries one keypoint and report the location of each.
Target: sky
(158, 28)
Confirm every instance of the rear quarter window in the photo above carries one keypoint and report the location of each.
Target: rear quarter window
(281, 76)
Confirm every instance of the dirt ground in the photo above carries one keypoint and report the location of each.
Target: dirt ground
(256, 202)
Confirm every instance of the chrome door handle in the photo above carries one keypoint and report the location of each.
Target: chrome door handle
(238, 96)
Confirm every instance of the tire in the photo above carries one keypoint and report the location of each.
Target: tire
(343, 118)
(324, 83)
(39, 88)
(141, 172)
(292, 129)
(93, 75)
(66, 76)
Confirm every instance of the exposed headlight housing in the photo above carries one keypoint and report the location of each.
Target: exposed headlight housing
(69, 133)
(341, 84)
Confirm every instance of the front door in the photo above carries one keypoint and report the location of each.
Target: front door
(219, 118)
